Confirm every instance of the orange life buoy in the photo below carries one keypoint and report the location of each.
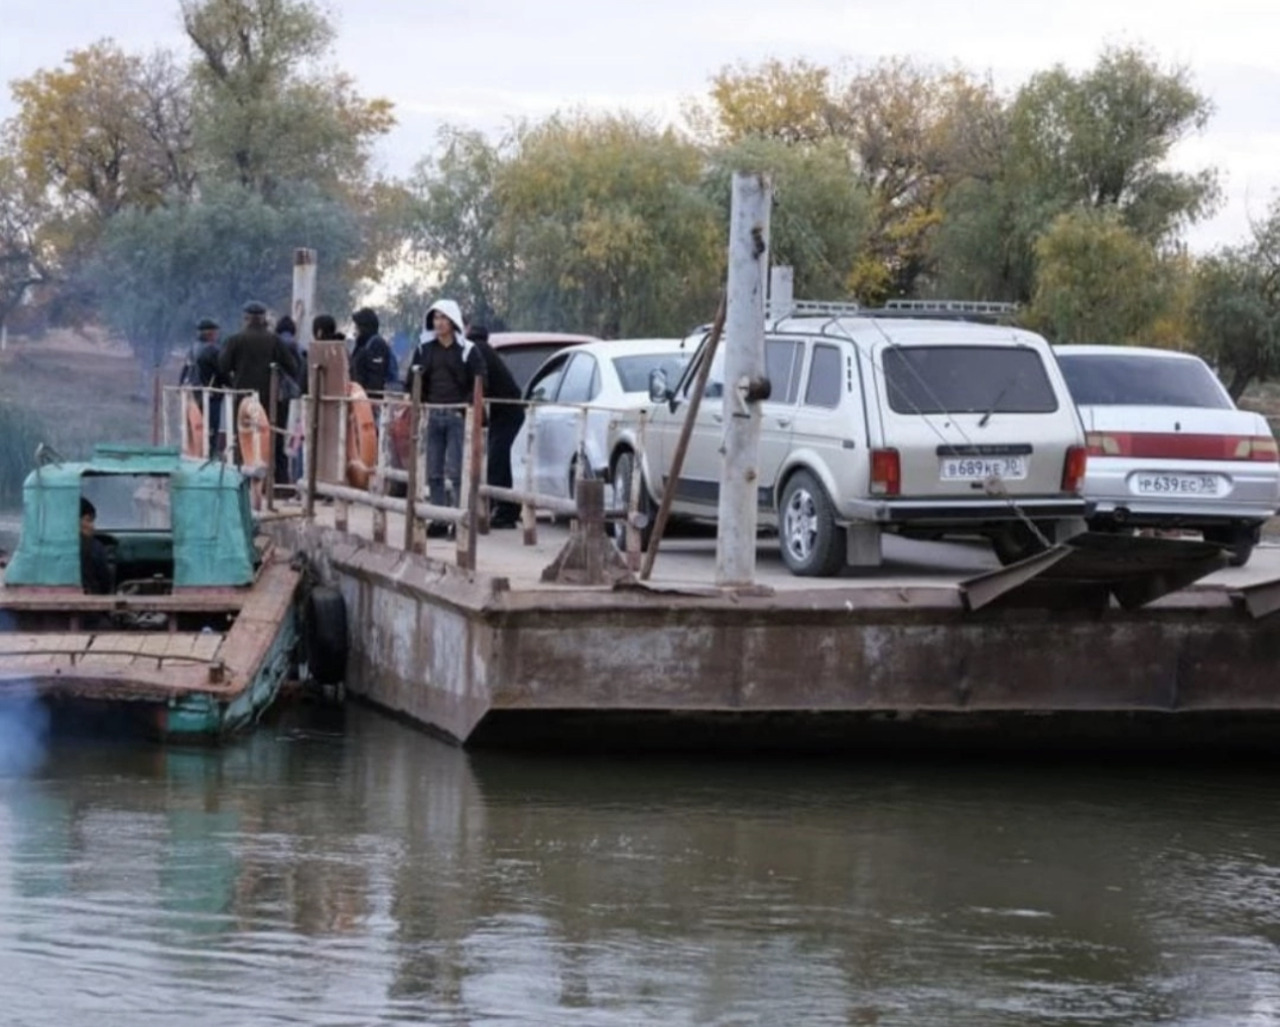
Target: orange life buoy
(362, 438)
(193, 444)
(254, 430)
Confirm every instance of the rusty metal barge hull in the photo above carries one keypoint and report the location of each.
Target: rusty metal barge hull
(482, 661)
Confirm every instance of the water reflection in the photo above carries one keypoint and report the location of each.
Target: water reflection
(361, 873)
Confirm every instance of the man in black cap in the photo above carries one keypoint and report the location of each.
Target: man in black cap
(371, 360)
(201, 369)
(505, 419)
(247, 357)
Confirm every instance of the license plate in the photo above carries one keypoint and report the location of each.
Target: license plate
(1175, 484)
(980, 468)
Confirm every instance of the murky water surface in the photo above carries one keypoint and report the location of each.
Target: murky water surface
(360, 873)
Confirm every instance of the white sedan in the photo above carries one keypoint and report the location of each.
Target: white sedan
(1168, 448)
(573, 397)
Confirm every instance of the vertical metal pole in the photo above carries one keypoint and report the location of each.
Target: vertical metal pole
(310, 453)
(304, 295)
(633, 498)
(528, 512)
(743, 364)
(415, 444)
(341, 508)
(205, 408)
(230, 428)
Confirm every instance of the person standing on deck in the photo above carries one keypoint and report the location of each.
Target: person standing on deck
(450, 365)
(371, 359)
(505, 420)
(201, 369)
(247, 357)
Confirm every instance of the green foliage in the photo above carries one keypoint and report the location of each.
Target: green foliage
(268, 113)
(1236, 307)
(21, 435)
(1097, 281)
(821, 214)
(159, 271)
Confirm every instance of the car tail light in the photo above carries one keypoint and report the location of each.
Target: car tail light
(1073, 468)
(886, 472)
(1183, 446)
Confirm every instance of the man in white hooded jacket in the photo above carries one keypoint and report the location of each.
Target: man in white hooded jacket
(449, 365)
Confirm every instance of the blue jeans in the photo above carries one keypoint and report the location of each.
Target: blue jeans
(444, 453)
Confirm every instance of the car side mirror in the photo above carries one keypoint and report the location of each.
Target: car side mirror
(659, 390)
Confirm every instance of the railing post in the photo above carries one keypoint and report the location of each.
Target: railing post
(633, 498)
(528, 512)
(273, 400)
(229, 428)
(380, 470)
(341, 508)
(473, 448)
(313, 437)
(206, 443)
(411, 535)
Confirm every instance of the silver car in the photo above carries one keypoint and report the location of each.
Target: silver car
(1168, 448)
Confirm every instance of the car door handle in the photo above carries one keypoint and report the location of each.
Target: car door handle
(784, 422)
(718, 418)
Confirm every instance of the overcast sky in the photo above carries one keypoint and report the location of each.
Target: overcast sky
(484, 63)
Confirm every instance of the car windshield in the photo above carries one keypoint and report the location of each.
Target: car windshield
(522, 361)
(1136, 379)
(967, 379)
(634, 371)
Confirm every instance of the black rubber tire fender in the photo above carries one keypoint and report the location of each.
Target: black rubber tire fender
(326, 635)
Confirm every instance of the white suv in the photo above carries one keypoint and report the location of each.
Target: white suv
(881, 423)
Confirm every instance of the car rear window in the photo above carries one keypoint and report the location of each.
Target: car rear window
(633, 372)
(1136, 379)
(522, 361)
(967, 379)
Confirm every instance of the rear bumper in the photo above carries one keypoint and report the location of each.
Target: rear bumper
(1253, 495)
(948, 511)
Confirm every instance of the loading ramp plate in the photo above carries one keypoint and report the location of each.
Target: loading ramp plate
(1091, 569)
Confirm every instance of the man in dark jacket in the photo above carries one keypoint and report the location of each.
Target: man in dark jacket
(371, 358)
(505, 420)
(201, 369)
(449, 365)
(247, 357)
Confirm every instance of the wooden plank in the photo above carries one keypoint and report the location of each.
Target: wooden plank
(207, 645)
(72, 600)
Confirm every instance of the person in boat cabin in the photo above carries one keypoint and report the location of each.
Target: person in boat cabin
(95, 570)
(449, 364)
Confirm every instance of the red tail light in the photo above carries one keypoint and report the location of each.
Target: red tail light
(886, 473)
(1073, 468)
(1179, 446)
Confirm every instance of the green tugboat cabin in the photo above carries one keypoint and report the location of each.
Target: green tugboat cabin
(193, 626)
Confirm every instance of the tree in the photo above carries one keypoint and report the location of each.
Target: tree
(158, 271)
(456, 223)
(608, 227)
(1096, 281)
(821, 213)
(790, 103)
(23, 261)
(268, 113)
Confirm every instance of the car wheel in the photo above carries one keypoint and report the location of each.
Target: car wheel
(812, 544)
(1015, 542)
(1239, 542)
(623, 469)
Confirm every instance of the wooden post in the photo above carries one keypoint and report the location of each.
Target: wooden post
(273, 400)
(744, 378)
(315, 391)
(682, 444)
(411, 535)
(472, 473)
(304, 295)
(380, 471)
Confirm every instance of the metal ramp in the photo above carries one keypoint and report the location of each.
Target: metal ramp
(1091, 569)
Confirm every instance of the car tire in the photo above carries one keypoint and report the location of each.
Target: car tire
(811, 542)
(1238, 542)
(1015, 542)
(620, 476)
(326, 635)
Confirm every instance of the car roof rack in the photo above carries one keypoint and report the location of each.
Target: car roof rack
(812, 308)
(948, 310)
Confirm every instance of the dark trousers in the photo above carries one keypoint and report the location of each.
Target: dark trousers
(504, 425)
(444, 454)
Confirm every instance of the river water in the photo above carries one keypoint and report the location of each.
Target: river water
(354, 871)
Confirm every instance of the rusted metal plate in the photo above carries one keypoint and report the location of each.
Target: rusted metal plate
(1091, 569)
